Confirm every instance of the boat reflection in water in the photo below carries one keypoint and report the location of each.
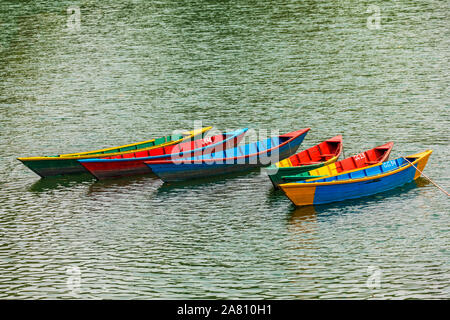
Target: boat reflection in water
(336, 208)
(58, 182)
(302, 224)
(144, 182)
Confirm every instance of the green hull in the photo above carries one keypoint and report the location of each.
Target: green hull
(45, 168)
(276, 174)
(68, 163)
(60, 166)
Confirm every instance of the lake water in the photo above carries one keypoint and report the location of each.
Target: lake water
(125, 71)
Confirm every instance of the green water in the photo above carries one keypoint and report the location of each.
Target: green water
(139, 69)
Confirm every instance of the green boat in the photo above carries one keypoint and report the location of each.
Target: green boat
(324, 153)
(68, 163)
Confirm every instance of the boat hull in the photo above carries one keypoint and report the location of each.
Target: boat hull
(176, 172)
(311, 193)
(48, 167)
(106, 170)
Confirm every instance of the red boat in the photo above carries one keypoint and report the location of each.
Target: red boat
(364, 159)
(133, 163)
(320, 155)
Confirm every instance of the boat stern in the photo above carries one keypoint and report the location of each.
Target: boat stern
(46, 166)
(421, 162)
(299, 194)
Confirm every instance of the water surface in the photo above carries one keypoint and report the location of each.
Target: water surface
(136, 70)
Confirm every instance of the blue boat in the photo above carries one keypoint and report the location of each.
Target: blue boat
(240, 158)
(133, 163)
(357, 183)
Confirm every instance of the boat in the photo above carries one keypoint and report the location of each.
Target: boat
(68, 163)
(133, 163)
(240, 158)
(357, 183)
(364, 159)
(322, 154)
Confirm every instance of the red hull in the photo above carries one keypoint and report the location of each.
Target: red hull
(104, 170)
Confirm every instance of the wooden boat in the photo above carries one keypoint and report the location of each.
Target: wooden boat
(68, 163)
(364, 159)
(240, 158)
(133, 163)
(357, 183)
(324, 153)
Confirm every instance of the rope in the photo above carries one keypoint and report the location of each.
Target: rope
(440, 188)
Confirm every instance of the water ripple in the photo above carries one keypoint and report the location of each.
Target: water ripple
(139, 70)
